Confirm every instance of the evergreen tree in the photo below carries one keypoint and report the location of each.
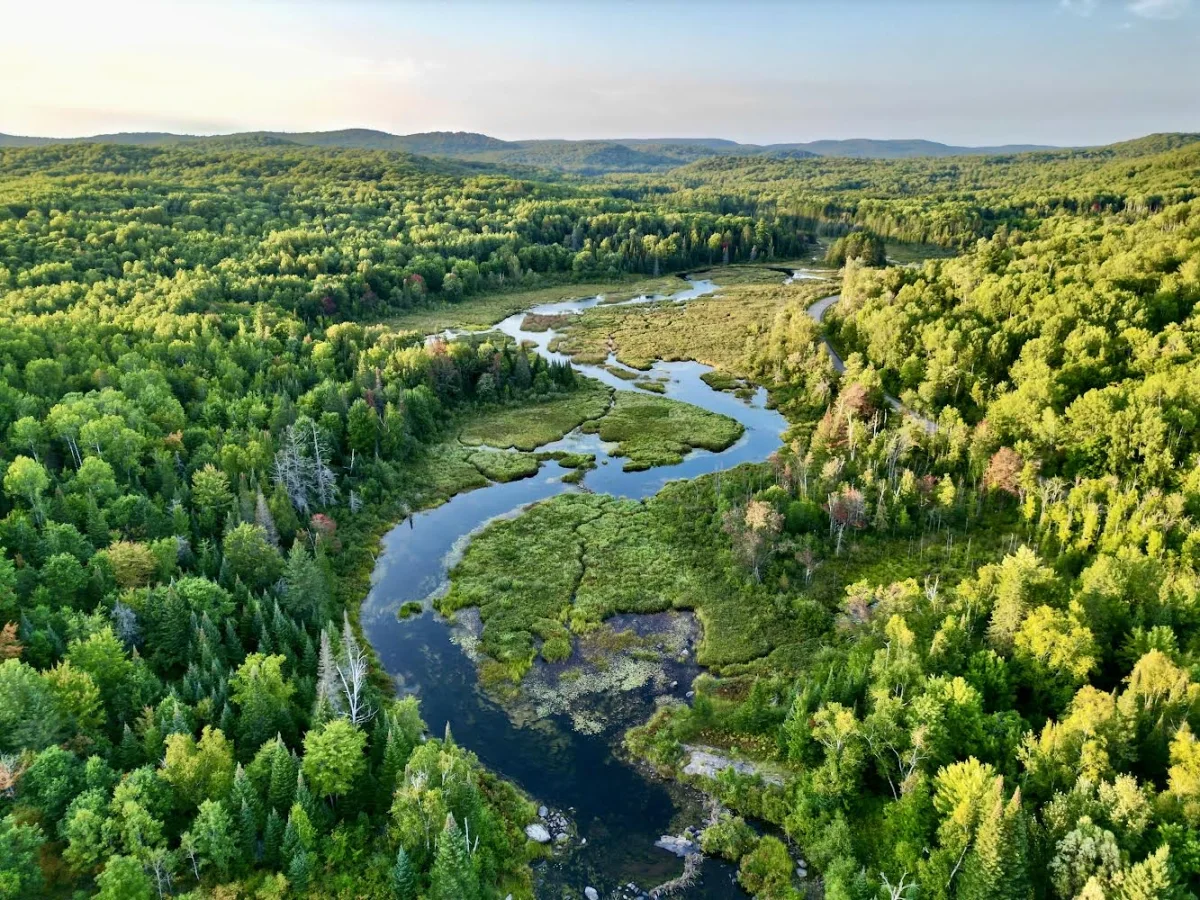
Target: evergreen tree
(273, 840)
(247, 834)
(299, 871)
(282, 786)
(453, 875)
(996, 868)
(404, 879)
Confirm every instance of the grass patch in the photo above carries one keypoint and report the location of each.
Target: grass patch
(529, 426)
(570, 460)
(498, 465)
(486, 310)
(410, 608)
(534, 322)
(720, 380)
(441, 473)
(577, 559)
(655, 431)
(656, 387)
(720, 330)
(622, 373)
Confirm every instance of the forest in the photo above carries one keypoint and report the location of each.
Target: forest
(958, 631)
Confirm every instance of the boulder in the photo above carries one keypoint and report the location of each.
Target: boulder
(680, 846)
(537, 833)
(591, 893)
(542, 812)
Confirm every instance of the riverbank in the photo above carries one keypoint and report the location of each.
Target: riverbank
(423, 655)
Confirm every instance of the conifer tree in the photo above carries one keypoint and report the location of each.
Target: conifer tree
(453, 875)
(404, 879)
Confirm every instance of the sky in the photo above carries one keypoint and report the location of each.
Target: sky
(973, 72)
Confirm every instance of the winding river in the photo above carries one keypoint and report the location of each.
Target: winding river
(619, 810)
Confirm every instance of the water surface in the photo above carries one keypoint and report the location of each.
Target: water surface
(619, 810)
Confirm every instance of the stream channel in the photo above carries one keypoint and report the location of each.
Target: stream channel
(619, 810)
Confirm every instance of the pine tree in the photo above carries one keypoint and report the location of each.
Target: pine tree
(128, 754)
(299, 871)
(453, 876)
(281, 789)
(247, 834)
(273, 840)
(996, 867)
(404, 879)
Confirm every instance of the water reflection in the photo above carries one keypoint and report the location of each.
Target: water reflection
(619, 810)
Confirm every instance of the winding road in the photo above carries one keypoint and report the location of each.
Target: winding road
(817, 313)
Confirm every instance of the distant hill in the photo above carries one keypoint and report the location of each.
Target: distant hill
(597, 157)
(867, 148)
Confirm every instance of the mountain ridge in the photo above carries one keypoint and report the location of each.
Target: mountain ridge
(585, 157)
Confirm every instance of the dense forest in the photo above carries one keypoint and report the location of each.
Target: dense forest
(206, 423)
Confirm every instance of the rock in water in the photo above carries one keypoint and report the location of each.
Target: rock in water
(591, 893)
(537, 833)
(680, 846)
(542, 812)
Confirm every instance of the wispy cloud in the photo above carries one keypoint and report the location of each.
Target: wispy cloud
(1159, 9)
(1078, 7)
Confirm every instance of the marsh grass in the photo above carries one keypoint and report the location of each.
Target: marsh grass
(721, 331)
(655, 431)
(499, 465)
(486, 310)
(530, 426)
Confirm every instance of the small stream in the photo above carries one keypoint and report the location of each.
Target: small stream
(619, 810)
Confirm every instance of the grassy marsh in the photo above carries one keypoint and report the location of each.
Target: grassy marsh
(485, 310)
(656, 431)
(530, 426)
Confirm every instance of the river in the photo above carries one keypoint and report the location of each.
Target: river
(619, 810)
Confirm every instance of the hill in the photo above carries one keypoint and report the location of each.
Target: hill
(599, 157)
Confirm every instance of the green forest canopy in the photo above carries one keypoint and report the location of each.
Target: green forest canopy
(203, 431)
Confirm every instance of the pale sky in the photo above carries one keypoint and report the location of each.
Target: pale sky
(961, 71)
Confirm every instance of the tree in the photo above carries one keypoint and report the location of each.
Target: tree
(847, 508)
(20, 874)
(767, 870)
(1003, 472)
(27, 479)
(124, 878)
(103, 657)
(754, 530)
(29, 718)
(453, 875)
(199, 771)
(211, 497)
(211, 839)
(263, 695)
(251, 556)
(362, 428)
(1087, 852)
(1184, 774)
(997, 866)
(76, 699)
(133, 564)
(333, 757)
(404, 879)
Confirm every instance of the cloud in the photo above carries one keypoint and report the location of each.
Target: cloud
(1159, 9)
(1078, 7)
